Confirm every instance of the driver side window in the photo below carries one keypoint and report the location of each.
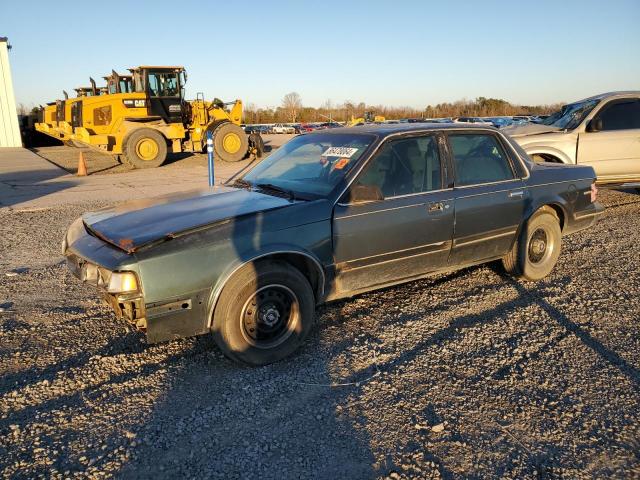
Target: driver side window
(404, 167)
(621, 115)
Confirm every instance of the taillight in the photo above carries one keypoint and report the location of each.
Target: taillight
(594, 192)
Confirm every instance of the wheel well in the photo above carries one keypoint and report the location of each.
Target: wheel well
(308, 267)
(559, 212)
(143, 126)
(545, 157)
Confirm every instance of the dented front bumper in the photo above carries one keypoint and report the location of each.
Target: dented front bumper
(129, 306)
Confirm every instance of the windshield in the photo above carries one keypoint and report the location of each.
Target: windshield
(310, 165)
(570, 116)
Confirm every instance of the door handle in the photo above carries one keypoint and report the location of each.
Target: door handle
(516, 194)
(436, 207)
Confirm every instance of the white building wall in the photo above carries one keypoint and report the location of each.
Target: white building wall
(9, 129)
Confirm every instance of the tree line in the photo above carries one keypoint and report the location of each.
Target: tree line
(292, 110)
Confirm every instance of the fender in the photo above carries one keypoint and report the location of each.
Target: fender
(552, 200)
(270, 250)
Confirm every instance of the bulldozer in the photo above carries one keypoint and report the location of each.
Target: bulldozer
(144, 115)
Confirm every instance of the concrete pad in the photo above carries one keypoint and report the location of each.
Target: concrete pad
(29, 181)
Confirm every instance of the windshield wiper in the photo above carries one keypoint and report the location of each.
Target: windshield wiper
(276, 189)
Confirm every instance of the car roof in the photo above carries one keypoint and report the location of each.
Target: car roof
(622, 93)
(395, 128)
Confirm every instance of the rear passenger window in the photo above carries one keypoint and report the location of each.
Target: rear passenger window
(621, 116)
(479, 158)
(406, 166)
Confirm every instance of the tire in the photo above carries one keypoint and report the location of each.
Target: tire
(230, 143)
(537, 248)
(256, 144)
(144, 148)
(264, 313)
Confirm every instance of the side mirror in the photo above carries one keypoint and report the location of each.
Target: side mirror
(595, 125)
(364, 193)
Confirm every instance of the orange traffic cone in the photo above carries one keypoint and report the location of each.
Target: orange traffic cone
(82, 166)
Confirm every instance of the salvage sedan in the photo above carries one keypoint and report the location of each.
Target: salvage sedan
(328, 215)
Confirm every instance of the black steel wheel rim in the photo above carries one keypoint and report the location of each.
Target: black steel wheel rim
(269, 316)
(538, 246)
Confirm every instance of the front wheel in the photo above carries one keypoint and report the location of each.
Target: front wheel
(230, 143)
(536, 251)
(265, 312)
(144, 148)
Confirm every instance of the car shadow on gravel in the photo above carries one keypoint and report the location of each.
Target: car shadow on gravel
(541, 455)
(526, 296)
(219, 419)
(608, 355)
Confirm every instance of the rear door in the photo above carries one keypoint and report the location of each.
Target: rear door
(408, 231)
(614, 151)
(489, 197)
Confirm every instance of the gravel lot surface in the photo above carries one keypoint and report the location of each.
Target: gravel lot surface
(470, 375)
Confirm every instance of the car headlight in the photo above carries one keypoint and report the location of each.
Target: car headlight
(123, 282)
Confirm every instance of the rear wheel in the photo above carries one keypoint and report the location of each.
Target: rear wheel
(537, 248)
(264, 313)
(144, 148)
(230, 143)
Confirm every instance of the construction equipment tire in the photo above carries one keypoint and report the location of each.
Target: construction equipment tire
(256, 144)
(230, 143)
(144, 148)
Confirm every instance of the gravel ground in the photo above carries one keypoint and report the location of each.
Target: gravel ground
(470, 375)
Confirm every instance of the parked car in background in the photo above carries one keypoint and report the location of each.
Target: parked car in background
(328, 215)
(471, 120)
(254, 129)
(500, 122)
(325, 125)
(303, 128)
(282, 128)
(601, 131)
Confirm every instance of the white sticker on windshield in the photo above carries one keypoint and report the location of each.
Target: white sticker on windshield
(345, 152)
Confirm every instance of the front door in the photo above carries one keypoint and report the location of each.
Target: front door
(402, 231)
(614, 151)
(165, 95)
(489, 198)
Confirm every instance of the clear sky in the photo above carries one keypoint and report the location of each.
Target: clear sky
(393, 52)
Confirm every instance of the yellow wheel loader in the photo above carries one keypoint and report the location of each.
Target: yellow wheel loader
(144, 116)
(56, 119)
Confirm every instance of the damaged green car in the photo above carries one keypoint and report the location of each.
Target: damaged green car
(328, 215)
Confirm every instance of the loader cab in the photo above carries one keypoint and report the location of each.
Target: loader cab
(164, 87)
(117, 83)
(84, 92)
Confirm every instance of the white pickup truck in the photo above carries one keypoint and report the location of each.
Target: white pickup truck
(601, 131)
(282, 128)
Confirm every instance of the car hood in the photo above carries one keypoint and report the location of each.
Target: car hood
(134, 224)
(529, 129)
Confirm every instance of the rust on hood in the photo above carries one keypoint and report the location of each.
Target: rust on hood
(126, 244)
